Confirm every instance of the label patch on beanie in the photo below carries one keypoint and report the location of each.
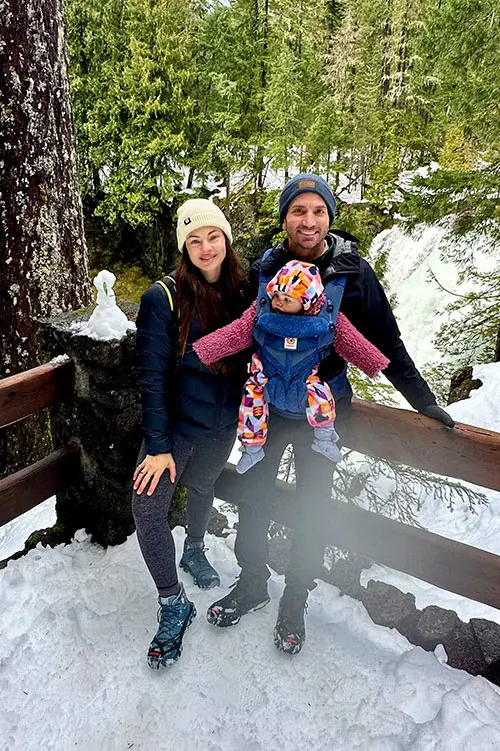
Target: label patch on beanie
(306, 184)
(290, 342)
(188, 220)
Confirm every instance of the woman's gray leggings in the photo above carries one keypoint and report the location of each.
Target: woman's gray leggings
(199, 463)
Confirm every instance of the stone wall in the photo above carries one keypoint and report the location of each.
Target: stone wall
(105, 420)
(473, 646)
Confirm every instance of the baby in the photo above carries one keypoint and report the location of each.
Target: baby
(283, 371)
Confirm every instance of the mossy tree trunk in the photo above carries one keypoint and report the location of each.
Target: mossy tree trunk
(44, 265)
(43, 256)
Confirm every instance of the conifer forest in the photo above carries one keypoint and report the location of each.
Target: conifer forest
(165, 88)
(227, 99)
(199, 95)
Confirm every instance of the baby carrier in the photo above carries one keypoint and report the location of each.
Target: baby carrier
(289, 347)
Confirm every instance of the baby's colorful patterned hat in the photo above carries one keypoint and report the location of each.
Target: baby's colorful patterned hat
(299, 280)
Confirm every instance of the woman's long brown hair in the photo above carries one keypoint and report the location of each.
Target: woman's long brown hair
(213, 304)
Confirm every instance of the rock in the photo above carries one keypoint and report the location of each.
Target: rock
(217, 523)
(463, 650)
(492, 672)
(345, 574)
(462, 383)
(389, 607)
(488, 637)
(434, 626)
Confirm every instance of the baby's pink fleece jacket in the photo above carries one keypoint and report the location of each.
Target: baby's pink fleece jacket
(236, 336)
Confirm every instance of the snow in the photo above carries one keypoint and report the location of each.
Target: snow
(59, 360)
(14, 534)
(107, 320)
(75, 623)
(424, 282)
(482, 408)
(405, 178)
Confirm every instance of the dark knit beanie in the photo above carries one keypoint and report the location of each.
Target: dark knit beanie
(306, 183)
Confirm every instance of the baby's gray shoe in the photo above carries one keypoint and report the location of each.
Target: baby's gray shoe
(325, 443)
(250, 456)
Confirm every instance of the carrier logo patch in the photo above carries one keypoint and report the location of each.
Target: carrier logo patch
(290, 342)
(306, 184)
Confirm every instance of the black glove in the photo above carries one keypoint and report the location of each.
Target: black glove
(436, 413)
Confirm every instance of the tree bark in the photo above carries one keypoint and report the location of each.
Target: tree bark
(43, 255)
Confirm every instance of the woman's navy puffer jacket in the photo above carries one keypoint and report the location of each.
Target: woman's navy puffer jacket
(186, 396)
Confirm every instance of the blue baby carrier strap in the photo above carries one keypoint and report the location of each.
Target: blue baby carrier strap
(291, 345)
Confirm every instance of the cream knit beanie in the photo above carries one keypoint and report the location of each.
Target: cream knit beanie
(198, 212)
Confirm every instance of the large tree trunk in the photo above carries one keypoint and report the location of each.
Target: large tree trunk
(43, 256)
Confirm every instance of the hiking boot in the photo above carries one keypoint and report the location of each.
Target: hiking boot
(195, 562)
(290, 632)
(174, 616)
(246, 595)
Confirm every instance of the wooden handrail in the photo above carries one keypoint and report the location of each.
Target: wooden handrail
(24, 394)
(27, 488)
(459, 568)
(466, 452)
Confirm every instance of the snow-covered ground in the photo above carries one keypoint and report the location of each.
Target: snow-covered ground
(75, 623)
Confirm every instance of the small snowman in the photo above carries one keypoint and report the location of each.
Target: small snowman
(107, 321)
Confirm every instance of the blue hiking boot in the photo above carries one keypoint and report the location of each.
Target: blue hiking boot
(195, 562)
(174, 616)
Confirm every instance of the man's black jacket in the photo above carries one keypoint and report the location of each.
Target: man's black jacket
(364, 303)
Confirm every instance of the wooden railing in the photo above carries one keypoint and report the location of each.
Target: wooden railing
(466, 453)
(23, 395)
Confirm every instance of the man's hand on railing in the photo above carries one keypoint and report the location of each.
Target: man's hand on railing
(150, 470)
(436, 413)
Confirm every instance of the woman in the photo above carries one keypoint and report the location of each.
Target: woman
(189, 412)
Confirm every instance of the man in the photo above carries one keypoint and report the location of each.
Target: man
(307, 209)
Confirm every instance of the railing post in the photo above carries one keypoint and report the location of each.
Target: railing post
(104, 419)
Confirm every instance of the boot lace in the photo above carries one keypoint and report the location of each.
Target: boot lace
(170, 621)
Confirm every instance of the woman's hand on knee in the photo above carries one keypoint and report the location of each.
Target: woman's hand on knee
(150, 470)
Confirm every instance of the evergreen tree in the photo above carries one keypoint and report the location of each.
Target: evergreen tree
(297, 42)
(230, 78)
(133, 73)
